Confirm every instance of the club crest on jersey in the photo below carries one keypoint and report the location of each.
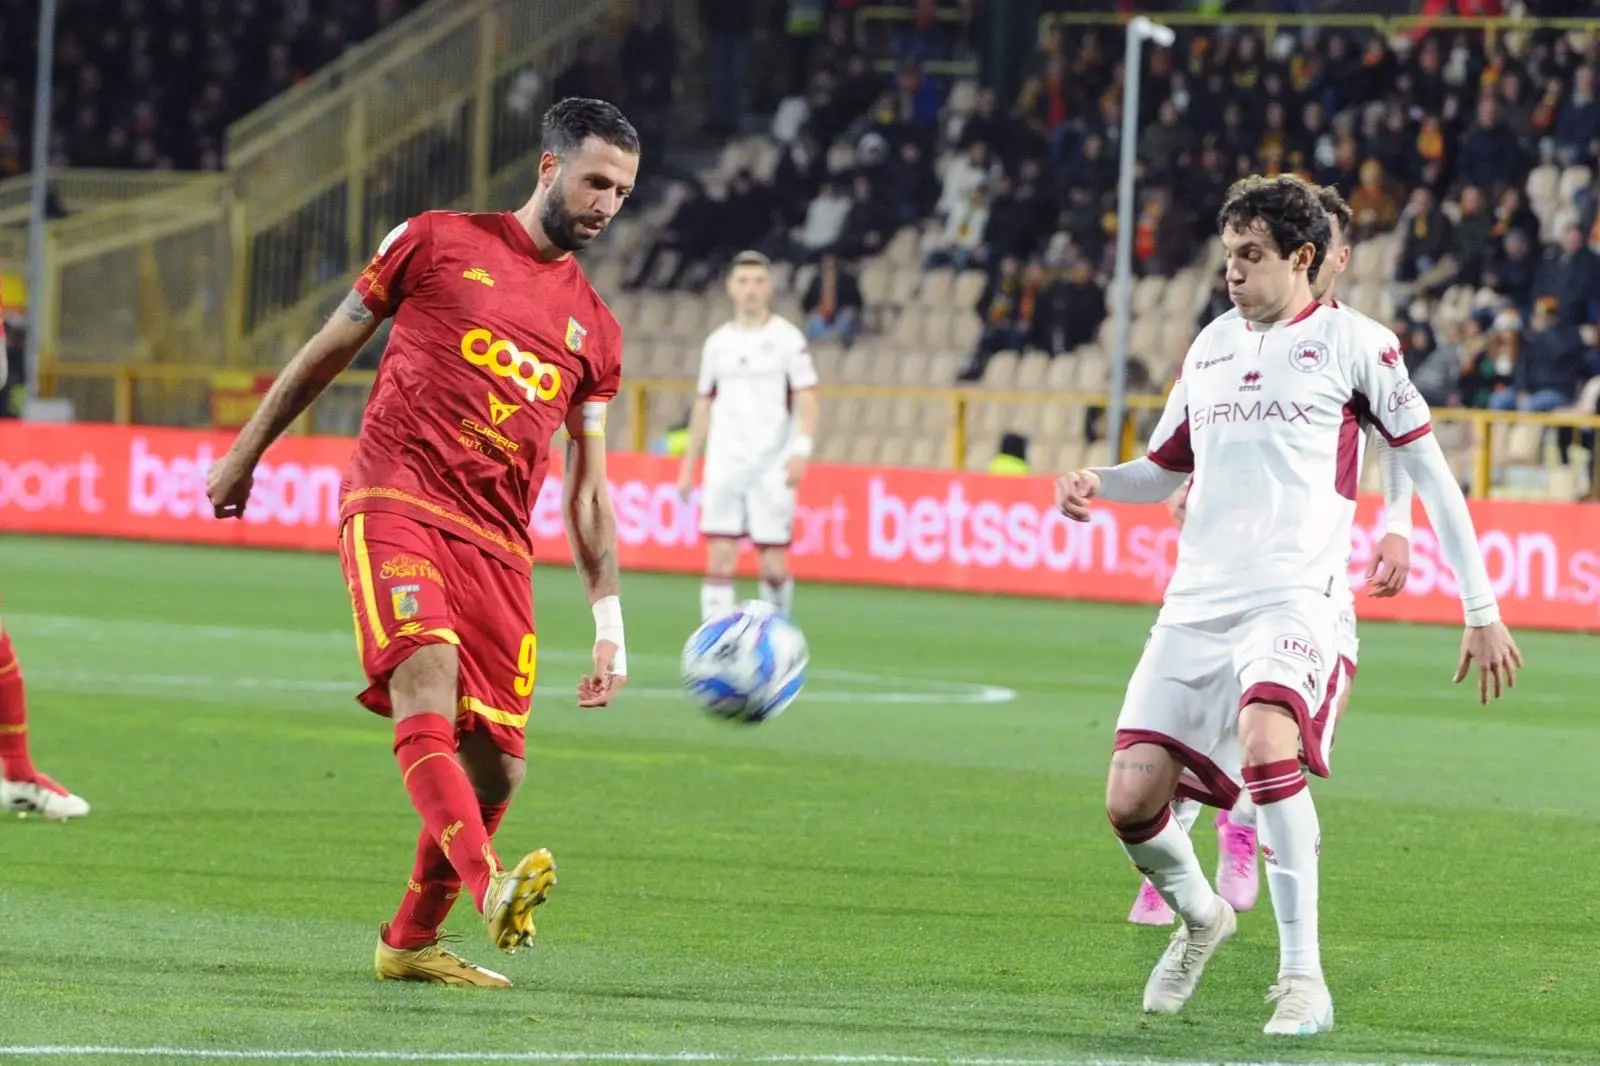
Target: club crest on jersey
(403, 598)
(1389, 356)
(1308, 357)
(575, 335)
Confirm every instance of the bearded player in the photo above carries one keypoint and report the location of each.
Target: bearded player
(23, 788)
(1237, 879)
(1237, 681)
(754, 416)
(498, 342)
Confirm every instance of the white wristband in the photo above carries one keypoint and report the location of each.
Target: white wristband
(1482, 616)
(608, 626)
(802, 446)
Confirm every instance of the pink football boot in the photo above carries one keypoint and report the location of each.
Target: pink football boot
(1238, 880)
(1150, 908)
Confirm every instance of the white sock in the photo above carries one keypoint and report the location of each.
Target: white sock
(780, 596)
(716, 598)
(1168, 862)
(1291, 839)
(1243, 813)
(1186, 812)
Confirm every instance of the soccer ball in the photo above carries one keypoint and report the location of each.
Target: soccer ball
(747, 666)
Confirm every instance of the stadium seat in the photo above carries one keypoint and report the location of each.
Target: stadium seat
(936, 288)
(1001, 373)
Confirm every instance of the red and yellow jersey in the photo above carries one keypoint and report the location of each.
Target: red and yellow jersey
(492, 349)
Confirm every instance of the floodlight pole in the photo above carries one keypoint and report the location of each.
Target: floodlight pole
(42, 107)
(1140, 30)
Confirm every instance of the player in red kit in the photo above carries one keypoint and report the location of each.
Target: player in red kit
(498, 343)
(23, 788)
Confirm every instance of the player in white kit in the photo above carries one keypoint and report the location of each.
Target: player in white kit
(755, 415)
(1237, 878)
(1240, 676)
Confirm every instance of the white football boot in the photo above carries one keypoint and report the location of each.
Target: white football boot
(1305, 1007)
(1173, 981)
(43, 797)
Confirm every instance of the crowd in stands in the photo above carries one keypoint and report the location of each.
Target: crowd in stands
(153, 84)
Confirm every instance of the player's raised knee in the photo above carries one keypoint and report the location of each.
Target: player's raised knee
(1141, 785)
(495, 776)
(426, 681)
(1268, 732)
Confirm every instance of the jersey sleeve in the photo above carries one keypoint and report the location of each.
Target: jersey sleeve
(707, 385)
(800, 368)
(396, 267)
(1170, 447)
(1382, 391)
(587, 416)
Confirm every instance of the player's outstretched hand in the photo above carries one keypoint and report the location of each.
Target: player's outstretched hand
(228, 485)
(1497, 656)
(599, 688)
(1178, 503)
(1074, 491)
(1389, 568)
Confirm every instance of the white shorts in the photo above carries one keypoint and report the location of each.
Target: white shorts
(759, 507)
(1194, 678)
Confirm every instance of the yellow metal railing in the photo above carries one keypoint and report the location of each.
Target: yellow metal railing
(181, 394)
(86, 188)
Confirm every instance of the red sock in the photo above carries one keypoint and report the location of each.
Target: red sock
(14, 761)
(433, 889)
(425, 748)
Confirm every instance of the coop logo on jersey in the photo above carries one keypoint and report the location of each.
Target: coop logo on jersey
(403, 598)
(539, 380)
(575, 335)
(1308, 357)
(1251, 382)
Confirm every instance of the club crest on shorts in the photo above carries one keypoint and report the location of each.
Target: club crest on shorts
(1308, 357)
(403, 598)
(575, 335)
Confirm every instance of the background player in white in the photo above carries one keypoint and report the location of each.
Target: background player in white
(1237, 878)
(754, 417)
(1240, 672)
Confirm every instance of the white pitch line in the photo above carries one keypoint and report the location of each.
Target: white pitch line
(799, 1059)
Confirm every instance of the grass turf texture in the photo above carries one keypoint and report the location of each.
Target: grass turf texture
(899, 865)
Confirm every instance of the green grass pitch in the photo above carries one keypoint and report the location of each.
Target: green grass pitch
(911, 865)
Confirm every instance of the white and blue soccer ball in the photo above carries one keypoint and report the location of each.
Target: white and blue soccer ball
(747, 666)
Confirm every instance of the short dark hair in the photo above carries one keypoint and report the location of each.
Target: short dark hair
(1334, 205)
(570, 122)
(750, 259)
(1289, 207)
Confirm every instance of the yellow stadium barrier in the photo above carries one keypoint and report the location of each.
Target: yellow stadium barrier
(196, 395)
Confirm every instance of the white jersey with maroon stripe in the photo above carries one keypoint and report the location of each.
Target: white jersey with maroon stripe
(1269, 419)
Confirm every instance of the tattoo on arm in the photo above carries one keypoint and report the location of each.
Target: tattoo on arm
(354, 308)
(592, 531)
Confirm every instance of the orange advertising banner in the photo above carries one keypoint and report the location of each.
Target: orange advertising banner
(934, 529)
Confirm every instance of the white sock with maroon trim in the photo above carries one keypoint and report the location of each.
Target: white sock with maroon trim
(1163, 852)
(716, 598)
(1291, 843)
(780, 595)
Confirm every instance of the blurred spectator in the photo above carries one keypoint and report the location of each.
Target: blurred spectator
(964, 174)
(908, 185)
(1490, 154)
(1493, 364)
(823, 225)
(649, 62)
(1577, 135)
(832, 303)
(964, 228)
(1429, 237)
(1512, 271)
(1469, 248)
(591, 74)
(1438, 375)
(1548, 366)
(1373, 206)
(869, 223)
(691, 234)
(1017, 311)
(1570, 275)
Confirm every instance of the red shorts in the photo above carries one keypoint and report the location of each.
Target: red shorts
(412, 584)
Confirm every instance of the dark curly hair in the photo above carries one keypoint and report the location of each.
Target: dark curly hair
(574, 120)
(1335, 206)
(1291, 210)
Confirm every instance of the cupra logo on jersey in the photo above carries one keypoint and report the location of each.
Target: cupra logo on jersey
(499, 410)
(1309, 356)
(540, 381)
